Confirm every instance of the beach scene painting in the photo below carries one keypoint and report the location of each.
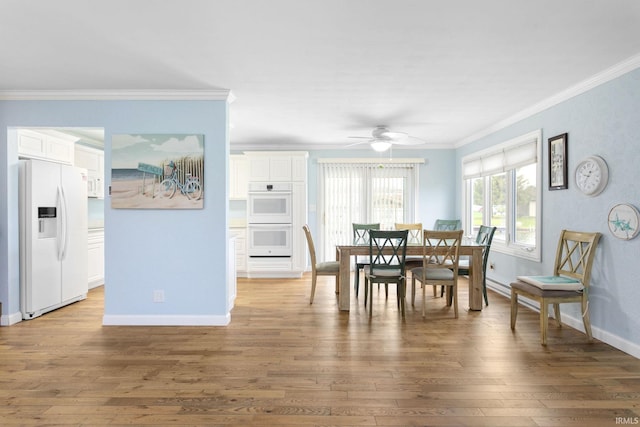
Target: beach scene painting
(157, 171)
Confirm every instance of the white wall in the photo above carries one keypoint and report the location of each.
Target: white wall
(183, 252)
(602, 121)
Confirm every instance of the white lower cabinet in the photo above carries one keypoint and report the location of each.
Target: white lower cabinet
(96, 257)
(240, 235)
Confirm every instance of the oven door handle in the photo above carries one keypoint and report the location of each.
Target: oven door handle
(262, 193)
(274, 225)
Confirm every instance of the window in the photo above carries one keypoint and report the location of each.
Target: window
(502, 189)
(361, 191)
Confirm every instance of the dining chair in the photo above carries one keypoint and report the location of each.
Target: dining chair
(440, 257)
(447, 224)
(329, 268)
(361, 237)
(413, 238)
(387, 251)
(573, 262)
(484, 237)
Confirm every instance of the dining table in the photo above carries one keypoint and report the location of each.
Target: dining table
(468, 247)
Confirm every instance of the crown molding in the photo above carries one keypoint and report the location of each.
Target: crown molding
(605, 76)
(117, 95)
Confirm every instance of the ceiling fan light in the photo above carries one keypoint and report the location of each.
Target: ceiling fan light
(380, 146)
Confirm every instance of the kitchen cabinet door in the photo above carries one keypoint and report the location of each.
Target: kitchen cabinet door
(238, 177)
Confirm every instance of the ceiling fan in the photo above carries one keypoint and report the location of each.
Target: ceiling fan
(382, 139)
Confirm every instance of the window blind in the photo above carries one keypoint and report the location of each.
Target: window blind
(363, 192)
(510, 155)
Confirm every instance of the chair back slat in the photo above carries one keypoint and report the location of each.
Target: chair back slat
(441, 249)
(361, 232)
(447, 224)
(575, 254)
(415, 232)
(312, 249)
(387, 250)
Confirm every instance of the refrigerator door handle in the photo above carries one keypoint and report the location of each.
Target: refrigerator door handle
(63, 225)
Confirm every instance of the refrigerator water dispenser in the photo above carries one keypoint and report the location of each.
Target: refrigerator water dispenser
(47, 222)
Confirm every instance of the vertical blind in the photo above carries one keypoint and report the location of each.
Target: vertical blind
(360, 192)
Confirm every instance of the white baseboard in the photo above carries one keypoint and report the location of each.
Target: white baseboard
(165, 320)
(10, 319)
(621, 344)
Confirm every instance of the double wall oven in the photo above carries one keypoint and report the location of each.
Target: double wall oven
(269, 220)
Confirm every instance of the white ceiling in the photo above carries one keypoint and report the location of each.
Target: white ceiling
(312, 73)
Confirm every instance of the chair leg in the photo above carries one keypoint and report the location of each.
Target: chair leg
(413, 291)
(313, 287)
(585, 317)
(356, 280)
(370, 299)
(424, 300)
(544, 321)
(338, 283)
(402, 290)
(454, 290)
(514, 308)
(556, 310)
(366, 291)
(484, 291)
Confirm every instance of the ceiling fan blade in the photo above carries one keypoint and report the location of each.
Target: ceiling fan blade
(394, 136)
(360, 137)
(409, 140)
(358, 143)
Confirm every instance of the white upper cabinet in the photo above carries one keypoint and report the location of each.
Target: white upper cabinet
(269, 168)
(35, 145)
(283, 166)
(238, 177)
(93, 161)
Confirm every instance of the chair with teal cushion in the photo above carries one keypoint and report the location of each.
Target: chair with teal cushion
(573, 261)
(446, 225)
(387, 252)
(439, 266)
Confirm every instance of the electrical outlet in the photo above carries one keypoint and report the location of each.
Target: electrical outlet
(158, 296)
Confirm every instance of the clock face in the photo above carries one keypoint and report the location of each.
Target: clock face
(592, 175)
(624, 221)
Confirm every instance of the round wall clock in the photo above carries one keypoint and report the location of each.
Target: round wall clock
(592, 175)
(624, 220)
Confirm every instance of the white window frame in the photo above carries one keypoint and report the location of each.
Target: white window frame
(497, 159)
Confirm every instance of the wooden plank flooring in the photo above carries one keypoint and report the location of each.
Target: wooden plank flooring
(283, 362)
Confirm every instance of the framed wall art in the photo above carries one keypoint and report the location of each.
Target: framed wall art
(558, 162)
(157, 171)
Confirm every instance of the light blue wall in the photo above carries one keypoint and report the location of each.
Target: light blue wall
(603, 121)
(183, 252)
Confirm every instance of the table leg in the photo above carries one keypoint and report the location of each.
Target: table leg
(475, 280)
(344, 299)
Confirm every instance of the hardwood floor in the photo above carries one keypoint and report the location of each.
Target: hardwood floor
(283, 362)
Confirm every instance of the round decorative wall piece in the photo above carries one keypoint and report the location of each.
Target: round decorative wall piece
(592, 175)
(624, 221)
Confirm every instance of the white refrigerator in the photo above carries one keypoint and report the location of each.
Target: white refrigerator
(53, 236)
